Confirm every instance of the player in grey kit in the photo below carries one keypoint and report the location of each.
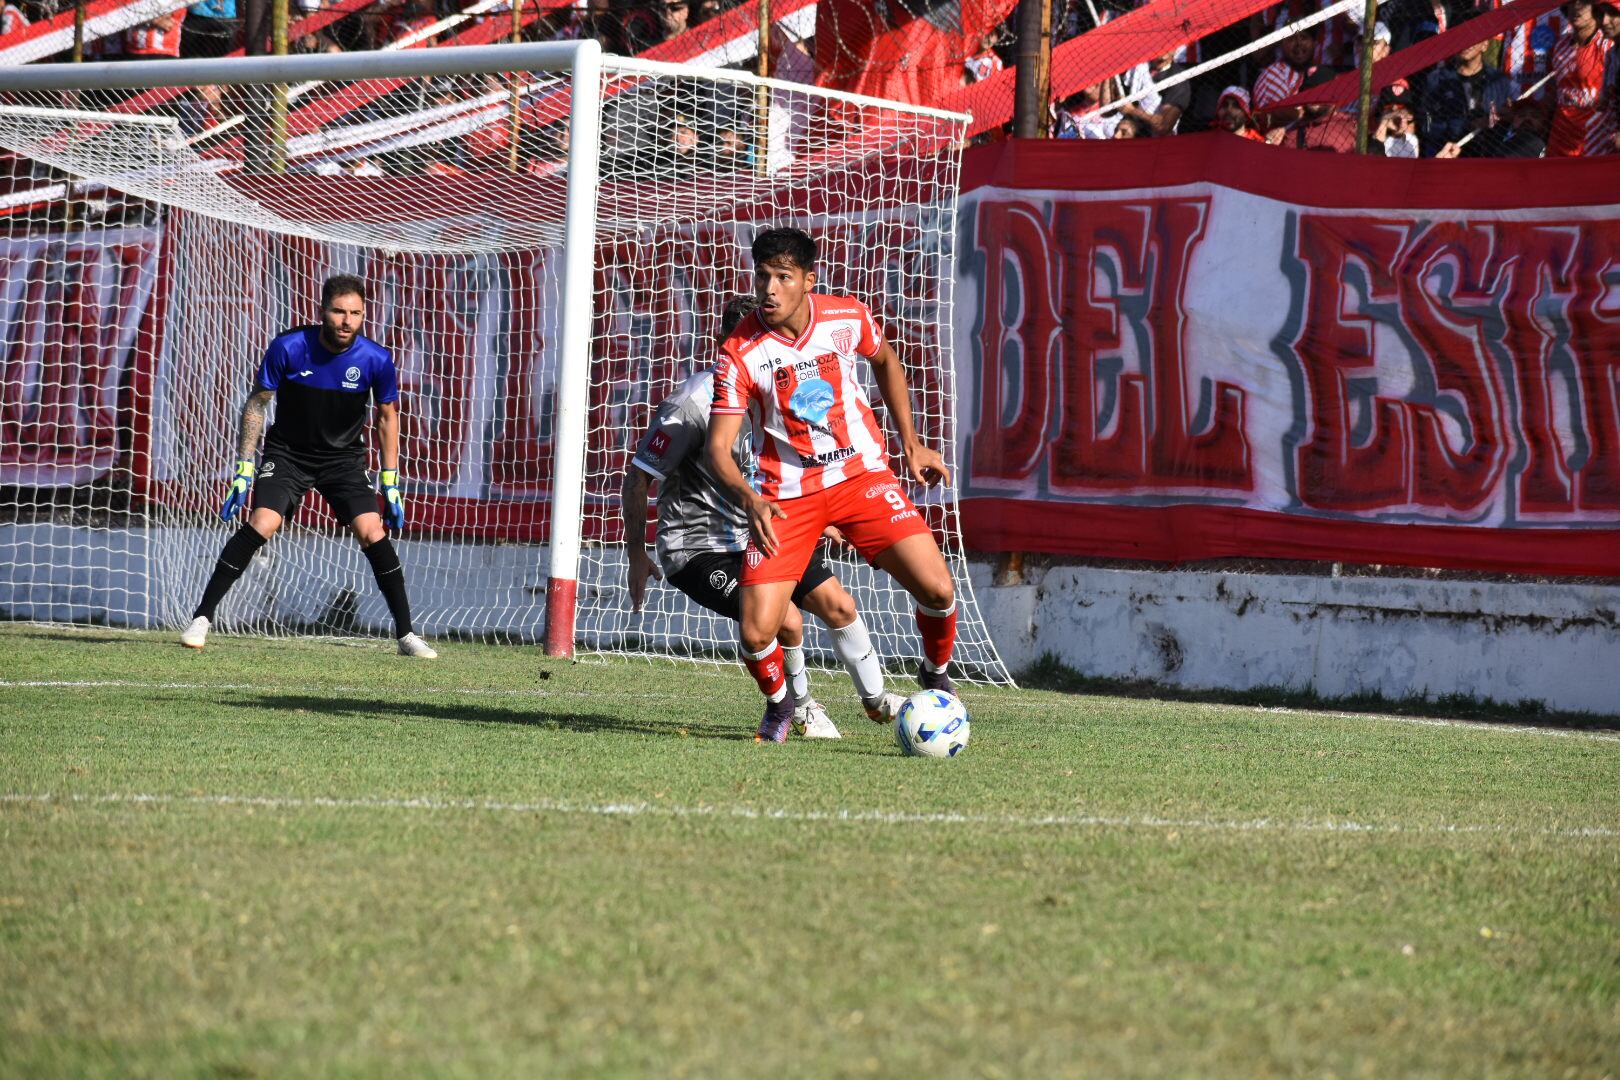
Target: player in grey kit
(702, 535)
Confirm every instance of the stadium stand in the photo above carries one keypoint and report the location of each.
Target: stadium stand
(1165, 64)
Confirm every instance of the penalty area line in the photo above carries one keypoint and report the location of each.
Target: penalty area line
(1262, 825)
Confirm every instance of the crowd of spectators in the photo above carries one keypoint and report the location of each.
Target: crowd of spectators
(1549, 87)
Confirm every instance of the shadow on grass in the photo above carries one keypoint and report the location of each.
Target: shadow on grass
(467, 713)
(585, 723)
(78, 637)
(1048, 673)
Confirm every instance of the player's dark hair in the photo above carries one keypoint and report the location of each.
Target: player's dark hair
(342, 285)
(737, 309)
(794, 245)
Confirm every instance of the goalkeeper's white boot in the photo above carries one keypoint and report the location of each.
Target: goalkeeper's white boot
(884, 708)
(812, 721)
(411, 645)
(195, 636)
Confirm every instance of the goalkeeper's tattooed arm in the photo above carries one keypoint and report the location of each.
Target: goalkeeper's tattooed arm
(252, 425)
(388, 435)
(633, 505)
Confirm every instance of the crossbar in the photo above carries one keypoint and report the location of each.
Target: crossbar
(240, 70)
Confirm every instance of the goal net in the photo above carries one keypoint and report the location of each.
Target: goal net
(548, 237)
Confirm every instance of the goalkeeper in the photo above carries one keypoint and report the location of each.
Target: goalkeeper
(323, 379)
(702, 534)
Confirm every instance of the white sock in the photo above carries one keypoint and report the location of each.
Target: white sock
(854, 648)
(797, 677)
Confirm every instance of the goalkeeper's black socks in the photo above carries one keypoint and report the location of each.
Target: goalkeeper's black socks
(232, 561)
(391, 581)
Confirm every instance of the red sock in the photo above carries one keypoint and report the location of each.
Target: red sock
(769, 671)
(938, 630)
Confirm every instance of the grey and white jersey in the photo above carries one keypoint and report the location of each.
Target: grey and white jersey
(694, 512)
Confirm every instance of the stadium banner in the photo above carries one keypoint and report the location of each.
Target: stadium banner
(75, 311)
(1160, 358)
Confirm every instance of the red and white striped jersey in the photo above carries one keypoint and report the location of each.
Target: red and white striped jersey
(1580, 128)
(149, 39)
(12, 19)
(1276, 82)
(1527, 49)
(813, 425)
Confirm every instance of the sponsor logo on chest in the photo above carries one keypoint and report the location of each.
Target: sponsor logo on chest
(351, 378)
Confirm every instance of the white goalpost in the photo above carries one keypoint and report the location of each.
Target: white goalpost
(548, 235)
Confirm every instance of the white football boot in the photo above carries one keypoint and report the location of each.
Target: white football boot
(885, 708)
(411, 645)
(812, 721)
(195, 636)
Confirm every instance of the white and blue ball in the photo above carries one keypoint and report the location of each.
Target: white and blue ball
(932, 723)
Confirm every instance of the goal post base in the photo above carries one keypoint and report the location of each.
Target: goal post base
(560, 593)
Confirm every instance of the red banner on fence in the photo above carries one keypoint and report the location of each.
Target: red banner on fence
(73, 308)
(1191, 369)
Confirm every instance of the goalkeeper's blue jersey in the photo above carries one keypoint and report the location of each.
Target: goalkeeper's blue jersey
(322, 397)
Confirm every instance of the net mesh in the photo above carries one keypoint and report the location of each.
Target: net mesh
(448, 196)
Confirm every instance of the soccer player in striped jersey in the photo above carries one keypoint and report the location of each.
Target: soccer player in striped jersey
(822, 461)
(702, 534)
(1581, 126)
(323, 379)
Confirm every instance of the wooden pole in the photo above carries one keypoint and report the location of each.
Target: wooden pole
(762, 96)
(78, 31)
(517, 77)
(1369, 22)
(1032, 88)
(278, 92)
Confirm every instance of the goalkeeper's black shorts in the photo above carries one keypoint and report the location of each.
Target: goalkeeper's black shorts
(713, 579)
(285, 478)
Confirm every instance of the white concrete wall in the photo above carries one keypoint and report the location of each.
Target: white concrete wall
(1508, 643)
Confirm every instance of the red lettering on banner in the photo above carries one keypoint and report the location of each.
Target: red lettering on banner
(1339, 468)
(1148, 246)
(520, 458)
(72, 333)
(1537, 262)
(1013, 236)
(433, 349)
(1117, 277)
(1445, 286)
(1450, 287)
(1594, 322)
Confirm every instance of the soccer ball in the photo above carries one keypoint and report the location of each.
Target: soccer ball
(932, 723)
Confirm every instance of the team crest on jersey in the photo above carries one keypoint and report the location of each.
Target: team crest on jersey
(784, 376)
(754, 556)
(843, 340)
(812, 401)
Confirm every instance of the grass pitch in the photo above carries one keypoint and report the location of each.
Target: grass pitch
(311, 858)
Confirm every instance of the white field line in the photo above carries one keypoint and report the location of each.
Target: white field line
(1019, 698)
(132, 684)
(749, 813)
